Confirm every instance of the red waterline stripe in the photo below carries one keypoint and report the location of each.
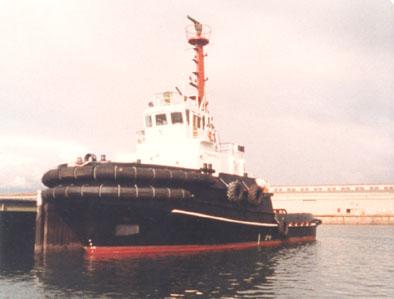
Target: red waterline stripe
(171, 249)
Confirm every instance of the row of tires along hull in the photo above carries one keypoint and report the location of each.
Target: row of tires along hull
(114, 192)
(156, 182)
(122, 192)
(117, 172)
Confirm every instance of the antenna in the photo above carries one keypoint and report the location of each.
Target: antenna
(178, 90)
(198, 36)
(197, 25)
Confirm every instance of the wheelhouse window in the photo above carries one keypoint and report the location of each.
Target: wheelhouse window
(196, 121)
(188, 116)
(148, 121)
(161, 119)
(176, 118)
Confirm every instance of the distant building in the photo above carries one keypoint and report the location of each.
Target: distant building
(350, 204)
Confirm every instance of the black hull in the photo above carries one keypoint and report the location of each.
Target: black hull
(166, 216)
(147, 227)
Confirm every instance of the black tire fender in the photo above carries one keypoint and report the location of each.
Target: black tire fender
(255, 195)
(235, 191)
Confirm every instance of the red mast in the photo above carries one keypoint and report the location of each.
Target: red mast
(198, 38)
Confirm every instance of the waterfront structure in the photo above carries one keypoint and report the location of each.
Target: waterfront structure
(17, 219)
(18, 202)
(339, 204)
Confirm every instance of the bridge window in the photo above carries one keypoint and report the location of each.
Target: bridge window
(196, 121)
(188, 116)
(176, 117)
(148, 121)
(161, 119)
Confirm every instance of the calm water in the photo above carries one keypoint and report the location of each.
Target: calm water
(346, 261)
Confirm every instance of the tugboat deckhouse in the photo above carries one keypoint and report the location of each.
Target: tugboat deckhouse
(186, 191)
(179, 129)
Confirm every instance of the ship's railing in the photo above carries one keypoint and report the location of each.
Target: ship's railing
(191, 32)
(231, 148)
(280, 211)
(167, 98)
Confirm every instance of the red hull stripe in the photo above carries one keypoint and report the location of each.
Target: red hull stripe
(171, 249)
(200, 215)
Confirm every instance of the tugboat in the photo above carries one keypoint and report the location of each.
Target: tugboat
(185, 191)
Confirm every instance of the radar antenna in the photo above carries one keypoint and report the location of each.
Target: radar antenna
(197, 25)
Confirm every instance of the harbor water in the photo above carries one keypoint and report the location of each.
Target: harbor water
(346, 261)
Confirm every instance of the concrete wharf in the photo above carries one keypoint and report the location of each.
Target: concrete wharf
(21, 202)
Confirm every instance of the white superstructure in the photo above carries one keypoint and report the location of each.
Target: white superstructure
(177, 132)
(178, 129)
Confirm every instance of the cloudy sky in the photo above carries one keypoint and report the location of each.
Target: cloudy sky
(307, 86)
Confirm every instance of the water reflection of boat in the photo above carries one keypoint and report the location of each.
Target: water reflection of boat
(185, 192)
(229, 272)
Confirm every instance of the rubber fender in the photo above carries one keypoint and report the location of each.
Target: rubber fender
(178, 175)
(114, 192)
(83, 173)
(255, 195)
(235, 191)
(59, 192)
(66, 174)
(178, 193)
(104, 172)
(266, 202)
(145, 174)
(73, 192)
(164, 174)
(126, 173)
(113, 172)
(109, 192)
(51, 178)
(126, 193)
(89, 192)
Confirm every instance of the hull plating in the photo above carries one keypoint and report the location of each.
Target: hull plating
(159, 228)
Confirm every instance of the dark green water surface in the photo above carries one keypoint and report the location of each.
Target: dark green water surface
(346, 261)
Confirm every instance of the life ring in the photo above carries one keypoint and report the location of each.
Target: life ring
(255, 195)
(235, 192)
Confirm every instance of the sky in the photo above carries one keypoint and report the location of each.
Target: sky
(307, 86)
